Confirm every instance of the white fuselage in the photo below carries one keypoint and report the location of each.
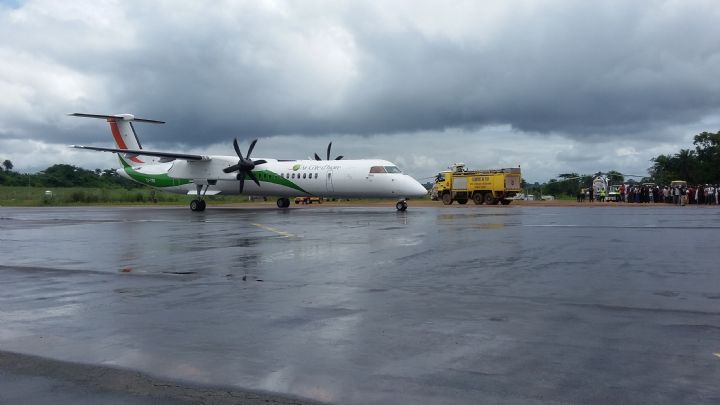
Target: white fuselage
(371, 178)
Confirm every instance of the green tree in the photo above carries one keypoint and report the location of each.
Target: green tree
(662, 171)
(686, 164)
(7, 164)
(707, 149)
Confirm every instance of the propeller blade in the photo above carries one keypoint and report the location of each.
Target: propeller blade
(259, 162)
(237, 148)
(317, 157)
(241, 177)
(339, 157)
(252, 146)
(231, 168)
(255, 179)
(328, 151)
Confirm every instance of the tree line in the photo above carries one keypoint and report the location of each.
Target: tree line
(63, 175)
(700, 165)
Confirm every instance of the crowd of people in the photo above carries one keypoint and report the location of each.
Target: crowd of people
(680, 194)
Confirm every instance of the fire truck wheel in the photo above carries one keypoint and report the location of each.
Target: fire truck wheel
(447, 199)
(505, 201)
(477, 198)
(462, 201)
(488, 197)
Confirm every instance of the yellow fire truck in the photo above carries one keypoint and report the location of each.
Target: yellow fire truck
(481, 186)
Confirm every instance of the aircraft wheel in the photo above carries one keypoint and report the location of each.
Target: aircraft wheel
(203, 205)
(283, 202)
(195, 205)
(401, 206)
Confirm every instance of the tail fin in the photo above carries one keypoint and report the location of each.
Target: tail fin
(123, 132)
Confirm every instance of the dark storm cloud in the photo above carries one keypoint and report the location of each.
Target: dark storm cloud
(579, 69)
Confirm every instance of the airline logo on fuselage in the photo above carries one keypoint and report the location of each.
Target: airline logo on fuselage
(319, 167)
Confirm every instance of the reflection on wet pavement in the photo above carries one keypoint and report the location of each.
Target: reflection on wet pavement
(364, 305)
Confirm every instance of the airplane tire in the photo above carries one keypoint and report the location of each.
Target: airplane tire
(195, 205)
(401, 206)
(283, 202)
(203, 205)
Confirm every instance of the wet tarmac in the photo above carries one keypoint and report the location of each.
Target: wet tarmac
(366, 305)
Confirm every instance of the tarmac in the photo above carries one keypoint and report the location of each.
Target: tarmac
(360, 305)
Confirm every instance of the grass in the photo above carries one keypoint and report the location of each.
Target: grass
(38, 196)
(12, 196)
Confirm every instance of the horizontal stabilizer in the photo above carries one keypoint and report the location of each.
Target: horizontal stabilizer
(167, 156)
(124, 117)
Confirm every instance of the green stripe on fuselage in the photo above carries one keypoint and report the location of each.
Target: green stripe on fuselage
(155, 180)
(163, 180)
(268, 176)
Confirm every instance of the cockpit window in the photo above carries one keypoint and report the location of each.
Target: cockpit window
(384, 169)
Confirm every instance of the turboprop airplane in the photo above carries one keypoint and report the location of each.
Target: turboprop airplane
(211, 175)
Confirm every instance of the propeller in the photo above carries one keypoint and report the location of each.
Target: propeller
(328, 154)
(245, 165)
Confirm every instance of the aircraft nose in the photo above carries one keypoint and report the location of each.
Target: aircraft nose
(415, 189)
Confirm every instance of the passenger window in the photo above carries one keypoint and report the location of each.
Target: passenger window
(293, 175)
(304, 175)
(316, 175)
(377, 169)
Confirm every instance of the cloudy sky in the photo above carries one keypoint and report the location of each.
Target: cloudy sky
(553, 86)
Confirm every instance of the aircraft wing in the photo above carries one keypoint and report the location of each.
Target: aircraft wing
(165, 156)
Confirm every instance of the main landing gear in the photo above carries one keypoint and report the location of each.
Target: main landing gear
(199, 203)
(283, 202)
(401, 205)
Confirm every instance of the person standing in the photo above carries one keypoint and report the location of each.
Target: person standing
(683, 196)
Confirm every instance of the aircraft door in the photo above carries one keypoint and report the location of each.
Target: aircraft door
(329, 182)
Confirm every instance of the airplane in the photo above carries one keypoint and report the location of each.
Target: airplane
(211, 175)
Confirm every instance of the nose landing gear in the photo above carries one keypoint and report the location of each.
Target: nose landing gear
(401, 205)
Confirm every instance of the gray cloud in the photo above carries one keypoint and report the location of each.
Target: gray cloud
(585, 72)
